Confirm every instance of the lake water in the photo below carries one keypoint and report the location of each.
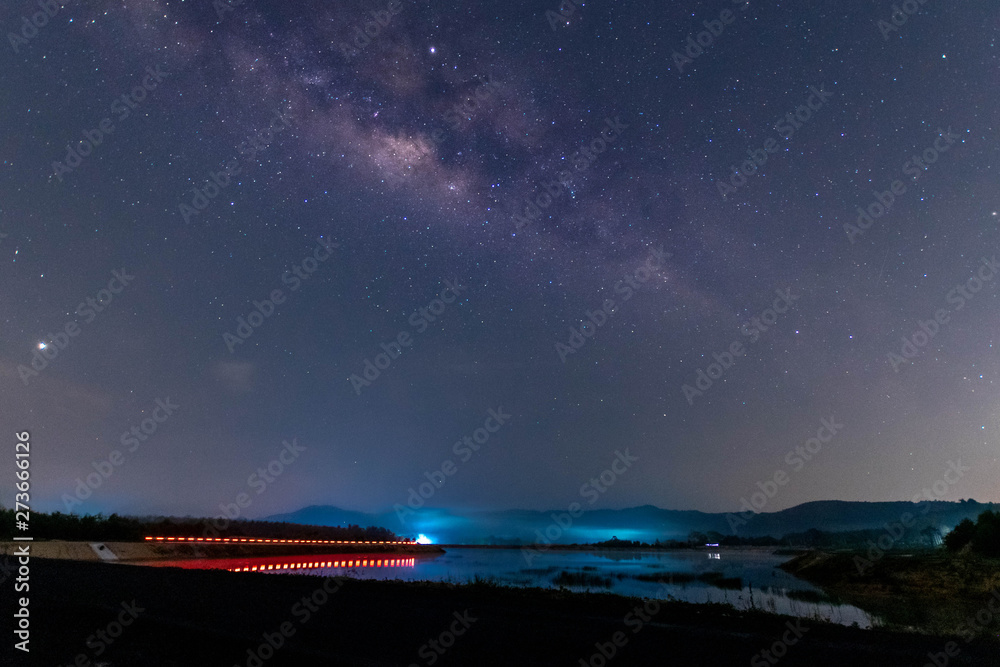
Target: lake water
(741, 578)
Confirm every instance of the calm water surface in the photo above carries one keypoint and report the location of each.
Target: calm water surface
(743, 579)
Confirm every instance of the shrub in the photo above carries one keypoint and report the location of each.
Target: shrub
(960, 536)
(983, 535)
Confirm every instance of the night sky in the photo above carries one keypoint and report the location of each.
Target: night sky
(378, 191)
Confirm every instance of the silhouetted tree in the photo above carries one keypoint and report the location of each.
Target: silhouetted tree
(986, 539)
(961, 535)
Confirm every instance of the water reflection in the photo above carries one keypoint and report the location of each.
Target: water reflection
(745, 579)
(353, 562)
(318, 564)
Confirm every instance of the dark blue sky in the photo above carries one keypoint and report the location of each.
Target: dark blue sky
(273, 154)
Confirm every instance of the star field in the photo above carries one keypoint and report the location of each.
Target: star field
(426, 153)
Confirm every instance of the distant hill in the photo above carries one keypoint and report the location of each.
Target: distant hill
(646, 523)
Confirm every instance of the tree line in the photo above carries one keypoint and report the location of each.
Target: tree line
(117, 528)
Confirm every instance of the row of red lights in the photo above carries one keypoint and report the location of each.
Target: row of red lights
(393, 562)
(260, 540)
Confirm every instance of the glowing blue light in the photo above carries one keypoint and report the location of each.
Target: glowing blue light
(423, 539)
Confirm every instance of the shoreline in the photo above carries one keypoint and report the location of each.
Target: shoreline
(932, 590)
(203, 617)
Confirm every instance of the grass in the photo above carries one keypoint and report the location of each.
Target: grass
(932, 591)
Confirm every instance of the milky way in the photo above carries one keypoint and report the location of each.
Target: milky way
(623, 193)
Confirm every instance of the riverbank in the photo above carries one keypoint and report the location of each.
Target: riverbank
(933, 591)
(211, 617)
(146, 551)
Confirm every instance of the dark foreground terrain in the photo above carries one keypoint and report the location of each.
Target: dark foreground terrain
(933, 590)
(197, 617)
